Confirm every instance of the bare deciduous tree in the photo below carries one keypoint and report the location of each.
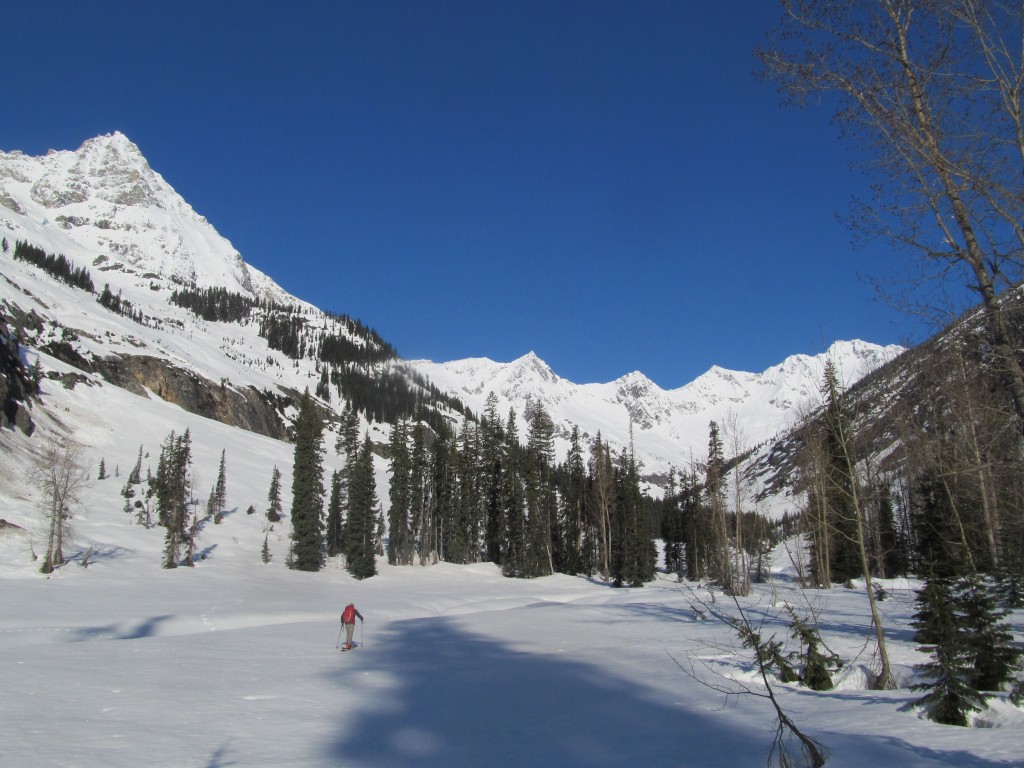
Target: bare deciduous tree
(60, 474)
(932, 91)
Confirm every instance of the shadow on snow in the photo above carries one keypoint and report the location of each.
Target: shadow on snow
(463, 700)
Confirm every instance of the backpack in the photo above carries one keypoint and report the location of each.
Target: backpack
(348, 616)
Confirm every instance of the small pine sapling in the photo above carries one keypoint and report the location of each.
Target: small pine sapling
(950, 698)
(817, 662)
(988, 637)
(768, 652)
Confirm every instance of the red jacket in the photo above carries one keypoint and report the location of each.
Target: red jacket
(348, 616)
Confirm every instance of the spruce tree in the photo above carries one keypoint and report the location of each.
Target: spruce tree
(513, 503)
(400, 544)
(491, 458)
(172, 486)
(307, 549)
(362, 515)
(818, 664)
(949, 697)
(218, 496)
(840, 513)
(470, 515)
(639, 553)
(346, 445)
(572, 521)
(989, 638)
(274, 497)
(421, 527)
(602, 499)
(713, 531)
(540, 494)
(135, 476)
(335, 532)
(444, 496)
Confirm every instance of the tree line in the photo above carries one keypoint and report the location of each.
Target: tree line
(57, 266)
(473, 495)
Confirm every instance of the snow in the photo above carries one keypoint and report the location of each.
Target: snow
(235, 662)
(667, 428)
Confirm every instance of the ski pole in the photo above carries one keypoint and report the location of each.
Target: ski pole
(338, 644)
(361, 622)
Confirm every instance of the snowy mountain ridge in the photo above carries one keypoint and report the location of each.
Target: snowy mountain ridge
(107, 210)
(669, 426)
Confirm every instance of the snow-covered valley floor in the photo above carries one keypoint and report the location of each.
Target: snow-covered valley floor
(235, 663)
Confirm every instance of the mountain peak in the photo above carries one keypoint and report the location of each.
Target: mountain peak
(115, 141)
(104, 204)
(530, 362)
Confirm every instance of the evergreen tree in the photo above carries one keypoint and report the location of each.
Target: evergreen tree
(602, 499)
(695, 516)
(307, 549)
(672, 531)
(346, 445)
(443, 493)
(335, 518)
(172, 487)
(491, 459)
(950, 698)
(840, 513)
(513, 503)
(935, 515)
(572, 520)
(988, 637)
(713, 530)
(540, 494)
(893, 555)
(400, 549)
(218, 496)
(467, 522)
(421, 525)
(135, 476)
(103, 470)
(360, 528)
(638, 550)
(274, 497)
(818, 665)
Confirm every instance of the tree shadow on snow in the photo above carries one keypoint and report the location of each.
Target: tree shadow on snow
(430, 694)
(143, 629)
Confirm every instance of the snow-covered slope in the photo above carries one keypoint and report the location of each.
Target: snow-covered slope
(106, 210)
(257, 680)
(119, 214)
(670, 427)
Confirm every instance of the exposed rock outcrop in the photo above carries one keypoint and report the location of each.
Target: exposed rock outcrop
(17, 384)
(246, 407)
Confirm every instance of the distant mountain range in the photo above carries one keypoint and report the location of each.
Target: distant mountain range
(669, 427)
(106, 210)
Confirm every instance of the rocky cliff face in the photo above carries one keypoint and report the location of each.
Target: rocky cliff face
(244, 407)
(16, 382)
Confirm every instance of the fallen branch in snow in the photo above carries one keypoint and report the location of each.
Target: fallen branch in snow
(782, 753)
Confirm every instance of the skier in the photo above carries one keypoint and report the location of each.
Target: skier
(348, 620)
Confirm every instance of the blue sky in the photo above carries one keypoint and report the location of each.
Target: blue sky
(604, 183)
